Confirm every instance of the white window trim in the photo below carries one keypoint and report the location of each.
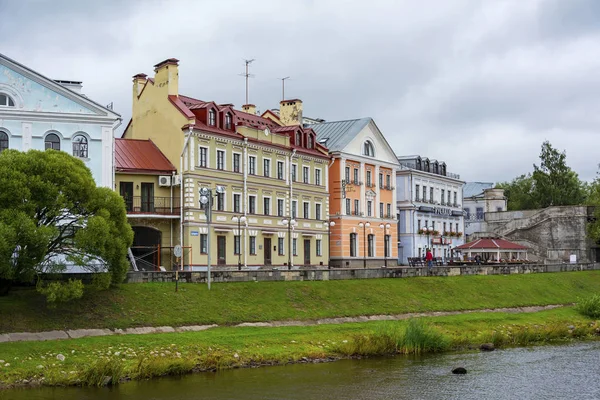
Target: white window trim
(241, 162)
(241, 210)
(304, 168)
(355, 244)
(277, 168)
(374, 252)
(255, 205)
(207, 156)
(270, 205)
(348, 207)
(321, 206)
(266, 160)
(281, 249)
(294, 202)
(303, 203)
(319, 247)
(294, 165)
(320, 176)
(224, 201)
(255, 165)
(369, 214)
(277, 206)
(224, 160)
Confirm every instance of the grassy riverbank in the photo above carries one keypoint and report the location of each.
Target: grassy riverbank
(158, 304)
(88, 361)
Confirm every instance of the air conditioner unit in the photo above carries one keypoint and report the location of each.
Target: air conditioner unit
(164, 180)
(176, 180)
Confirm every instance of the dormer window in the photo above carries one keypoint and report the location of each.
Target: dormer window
(228, 121)
(298, 139)
(6, 101)
(310, 142)
(419, 164)
(212, 118)
(368, 149)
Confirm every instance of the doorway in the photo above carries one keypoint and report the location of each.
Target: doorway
(221, 250)
(267, 251)
(145, 248)
(147, 197)
(126, 191)
(306, 251)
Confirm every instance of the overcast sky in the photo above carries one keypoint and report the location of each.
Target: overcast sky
(478, 84)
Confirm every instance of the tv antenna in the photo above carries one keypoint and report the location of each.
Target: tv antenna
(247, 75)
(283, 87)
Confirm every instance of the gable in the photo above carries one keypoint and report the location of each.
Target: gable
(370, 132)
(36, 93)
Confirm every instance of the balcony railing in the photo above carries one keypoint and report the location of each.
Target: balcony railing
(152, 205)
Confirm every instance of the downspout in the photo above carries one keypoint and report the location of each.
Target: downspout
(245, 201)
(412, 219)
(185, 144)
(291, 202)
(329, 216)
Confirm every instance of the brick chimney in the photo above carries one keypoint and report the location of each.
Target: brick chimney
(290, 112)
(167, 76)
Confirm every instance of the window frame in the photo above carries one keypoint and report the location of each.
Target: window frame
(280, 170)
(318, 176)
(318, 207)
(80, 153)
(371, 245)
(267, 167)
(306, 209)
(280, 207)
(203, 243)
(212, 117)
(252, 165)
(237, 205)
(281, 246)
(236, 162)
(266, 205)
(252, 245)
(202, 157)
(221, 160)
(237, 244)
(8, 100)
(46, 142)
(353, 248)
(252, 204)
(305, 174)
(4, 140)
(319, 247)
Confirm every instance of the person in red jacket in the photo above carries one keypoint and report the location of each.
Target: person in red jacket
(429, 259)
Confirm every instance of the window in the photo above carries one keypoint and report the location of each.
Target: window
(356, 207)
(388, 182)
(348, 207)
(294, 208)
(203, 157)
(369, 208)
(280, 248)
(236, 162)
(498, 209)
(310, 142)
(220, 201)
(280, 207)
(318, 212)
(295, 247)
(467, 214)
(220, 159)
(456, 226)
(444, 230)
(3, 141)
(52, 142)
(80, 146)
(442, 196)
(298, 139)
(237, 244)
(370, 245)
(356, 176)
(432, 224)
(418, 225)
(267, 167)
(381, 210)
(455, 203)
(252, 165)
(368, 149)
(448, 202)
(305, 172)
(386, 246)
(306, 210)
(203, 243)
(228, 121)
(266, 206)
(318, 246)
(424, 193)
(381, 181)
(389, 210)
(6, 101)
(236, 202)
(417, 192)
(252, 245)
(479, 213)
(252, 204)
(318, 177)
(294, 172)
(431, 194)
(212, 117)
(347, 174)
(368, 178)
(353, 245)
(280, 170)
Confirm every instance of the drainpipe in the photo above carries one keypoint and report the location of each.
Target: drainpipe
(291, 201)
(329, 213)
(185, 144)
(245, 200)
(412, 218)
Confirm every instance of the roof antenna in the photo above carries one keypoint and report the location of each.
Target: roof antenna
(247, 75)
(283, 87)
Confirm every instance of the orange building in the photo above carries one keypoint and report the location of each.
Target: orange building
(362, 199)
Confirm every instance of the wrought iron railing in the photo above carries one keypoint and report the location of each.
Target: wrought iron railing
(152, 205)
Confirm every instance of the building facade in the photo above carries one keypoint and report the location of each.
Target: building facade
(267, 173)
(361, 182)
(481, 198)
(40, 113)
(429, 202)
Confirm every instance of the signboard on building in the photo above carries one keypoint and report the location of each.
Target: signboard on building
(194, 233)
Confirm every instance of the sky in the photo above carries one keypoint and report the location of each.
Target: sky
(479, 84)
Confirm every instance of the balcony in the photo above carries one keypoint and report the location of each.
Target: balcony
(152, 205)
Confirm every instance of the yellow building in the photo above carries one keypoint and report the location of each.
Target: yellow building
(272, 171)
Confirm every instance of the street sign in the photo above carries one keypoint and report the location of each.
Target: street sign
(194, 233)
(177, 251)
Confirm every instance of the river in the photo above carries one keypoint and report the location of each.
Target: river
(543, 372)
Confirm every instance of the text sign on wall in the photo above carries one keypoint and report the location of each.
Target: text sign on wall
(194, 233)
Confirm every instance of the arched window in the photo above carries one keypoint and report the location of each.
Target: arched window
(368, 149)
(6, 101)
(52, 142)
(228, 121)
(3, 141)
(80, 146)
(419, 164)
(371, 245)
(212, 117)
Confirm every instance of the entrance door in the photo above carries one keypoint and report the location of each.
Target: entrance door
(147, 197)
(126, 192)
(306, 251)
(221, 250)
(267, 251)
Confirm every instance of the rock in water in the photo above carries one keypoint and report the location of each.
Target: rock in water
(487, 347)
(459, 371)
(107, 381)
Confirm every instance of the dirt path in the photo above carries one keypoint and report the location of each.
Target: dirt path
(79, 333)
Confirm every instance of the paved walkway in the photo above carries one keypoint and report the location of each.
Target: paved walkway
(79, 333)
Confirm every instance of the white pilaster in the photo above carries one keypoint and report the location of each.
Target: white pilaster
(363, 194)
(377, 190)
(107, 156)
(26, 134)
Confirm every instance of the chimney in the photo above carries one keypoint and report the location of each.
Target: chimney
(290, 112)
(72, 85)
(139, 81)
(167, 75)
(249, 108)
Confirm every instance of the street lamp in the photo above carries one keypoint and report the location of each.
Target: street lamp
(239, 220)
(290, 224)
(364, 226)
(206, 201)
(385, 245)
(330, 225)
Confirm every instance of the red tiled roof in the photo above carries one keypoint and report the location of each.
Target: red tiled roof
(491, 244)
(177, 102)
(135, 155)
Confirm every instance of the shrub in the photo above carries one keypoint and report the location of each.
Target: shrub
(589, 307)
(61, 292)
(101, 281)
(422, 338)
(98, 372)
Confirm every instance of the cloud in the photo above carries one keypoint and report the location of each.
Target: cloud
(478, 84)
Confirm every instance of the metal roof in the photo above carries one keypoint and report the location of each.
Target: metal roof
(134, 155)
(339, 133)
(491, 245)
(475, 188)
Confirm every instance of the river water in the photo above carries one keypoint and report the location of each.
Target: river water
(544, 372)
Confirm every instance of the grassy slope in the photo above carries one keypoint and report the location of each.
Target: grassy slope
(157, 304)
(217, 348)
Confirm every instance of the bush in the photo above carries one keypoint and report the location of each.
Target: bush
(589, 307)
(61, 292)
(101, 281)
(99, 372)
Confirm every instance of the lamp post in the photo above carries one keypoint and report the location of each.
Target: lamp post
(206, 201)
(385, 246)
(239, 220)
(330, 225)
(290, 223)
(364, 226)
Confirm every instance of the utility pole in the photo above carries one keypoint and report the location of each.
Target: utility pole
(283, 87)
(247, 75)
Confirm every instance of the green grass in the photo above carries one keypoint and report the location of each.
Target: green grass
(89, 360)
(157, 304)
(589, 306)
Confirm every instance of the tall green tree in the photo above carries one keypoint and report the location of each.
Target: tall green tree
(51, 212)
(519, 193)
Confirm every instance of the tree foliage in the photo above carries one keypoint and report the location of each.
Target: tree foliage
(51, 212)
(552, 183)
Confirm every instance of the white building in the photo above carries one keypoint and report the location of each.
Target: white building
(481, 198)
(429, 202)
